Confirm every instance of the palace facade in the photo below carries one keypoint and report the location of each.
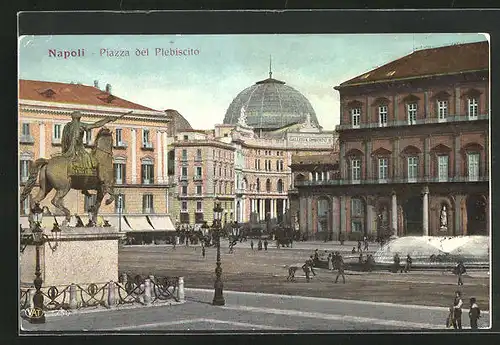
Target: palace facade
(414, 150)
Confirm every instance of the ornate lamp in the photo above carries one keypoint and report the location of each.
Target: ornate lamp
(218, 285)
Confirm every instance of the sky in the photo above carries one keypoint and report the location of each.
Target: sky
(202, 85)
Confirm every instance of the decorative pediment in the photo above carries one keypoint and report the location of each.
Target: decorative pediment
(441, 95)
(441, 148)
(471, 93)
(381, 152)
(354, 104)
(410, 99)
(381, 101)
(472, 147)
(354, 152)
(411, 150)
(47, 92)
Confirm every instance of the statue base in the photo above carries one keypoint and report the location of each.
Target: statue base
(82, 255)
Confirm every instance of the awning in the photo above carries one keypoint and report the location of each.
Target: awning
(138, 223)
(163, 222)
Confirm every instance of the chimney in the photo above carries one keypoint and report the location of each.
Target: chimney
(108, 88)
(96, 84)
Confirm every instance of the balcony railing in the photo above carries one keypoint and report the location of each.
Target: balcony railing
(56, 141)
(197, 178)
(183, 178)
(431, 120)
(147, 146)
(26, 139)
(147, 181)
(341, 182)
(197, 159)
(120, 145)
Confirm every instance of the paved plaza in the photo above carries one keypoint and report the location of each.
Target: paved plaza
(255, 312)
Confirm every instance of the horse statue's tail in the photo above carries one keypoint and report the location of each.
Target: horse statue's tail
(35, 168)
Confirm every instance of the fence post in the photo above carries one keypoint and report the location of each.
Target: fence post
(73, 304)
(31, 294)
(180, 288)
(147, 291)
(111, 294)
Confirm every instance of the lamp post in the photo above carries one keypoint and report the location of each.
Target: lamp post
(37, 316)
(218, 285)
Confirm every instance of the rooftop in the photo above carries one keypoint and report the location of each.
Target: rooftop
(70, 93)
(330, 158)
(452, 59)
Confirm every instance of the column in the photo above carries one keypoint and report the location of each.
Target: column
(395, 158)
(425, 208)
(271, 211)
(458, 231)
(334, 218)
(457, 155)
(343, 174)
(457, 102)
(369, 160)
(134, 155)
(369, 216)
(302, 213)
(426, 104)
(394, 215)
(262, 216)
(284, 206)
(309, 215)
(368, 112)
(165, 157)
(159, 165)
(42, 140)
(395, 107)
(343, 220)
(427, 157)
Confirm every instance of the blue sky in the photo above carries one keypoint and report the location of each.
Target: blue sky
(202, 86)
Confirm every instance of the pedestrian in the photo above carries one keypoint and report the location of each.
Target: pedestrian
(259, 245)
(311, 264)
(251, 244)
(359, 246)
(396, 266)
(408, 263)
(474, 313)
(265, 244)
(330, 262)
(457, 311)
(340, 267)
(353, 250)
(316, 258)
(360, 258)
(307, 268)
(366, 244)
(203, 251)
(277, 244)
(459, 271)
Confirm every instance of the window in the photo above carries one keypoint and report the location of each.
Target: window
(119, 169)
(185, 137)
(473, 166)
(220, 170)
(472, 108)
(268, 185)
(26, 129)
(356, 207)
(117, 203)
(184, 206)
(255, 164)
(25, 206)
(184, 190)
(147, 172)
(24, 170)
(442, 110)
(56, 132)
(382, 115)
(356, 170)
(147, 203)
(442, 168)
(412, 169)
(258, 164)
(355, 117)
(145, 139)
(198, 172)
(282, 165)
(411, 109)
(89, 201)
(199, 206)
(184, 155)
(198, 154)
(277, 165)
(382, 169)
(88, 137)
(280, 186)
(215, 169)
(118, 137)
(198, 190)
(258, 185)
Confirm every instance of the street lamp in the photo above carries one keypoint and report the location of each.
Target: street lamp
(120, 210)
(218, 285)
(38, 316)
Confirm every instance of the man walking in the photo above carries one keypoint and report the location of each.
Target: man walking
(474, 313)
(359, 246)
(340, 267)
(251, 244)
(408, 263)
(202, 250)
(265, 244)
(459, 271)
(457, 311)
(307, 268)
(366, 244)
(311, 265)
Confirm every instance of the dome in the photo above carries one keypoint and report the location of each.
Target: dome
(178, 123)
(270, 104)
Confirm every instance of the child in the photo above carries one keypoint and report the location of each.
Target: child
(474, 313)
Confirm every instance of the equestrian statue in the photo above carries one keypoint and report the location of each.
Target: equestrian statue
(75, 168)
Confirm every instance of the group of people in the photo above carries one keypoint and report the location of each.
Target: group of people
(335, 262)
(455, 317)
(259, 244)
(397, 264)
(365, 245)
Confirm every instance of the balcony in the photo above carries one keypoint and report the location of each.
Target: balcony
(183, 178)
(197, 159)
(343, 182)
(432, 120)
(56, 141)
(147, 146)
(197, 178)
(147, 181)
(26, 139)
(120, 145)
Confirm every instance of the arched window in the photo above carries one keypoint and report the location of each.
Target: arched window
(268, 185)
(258, 185)
(280, 186)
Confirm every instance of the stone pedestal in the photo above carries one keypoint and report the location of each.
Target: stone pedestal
(82, 256)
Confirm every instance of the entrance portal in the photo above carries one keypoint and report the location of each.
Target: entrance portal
(476, 215)
(413, 216)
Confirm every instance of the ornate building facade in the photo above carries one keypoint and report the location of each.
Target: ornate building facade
(140, 152)
(414, 149)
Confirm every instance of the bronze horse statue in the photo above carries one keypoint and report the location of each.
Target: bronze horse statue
(53, 174)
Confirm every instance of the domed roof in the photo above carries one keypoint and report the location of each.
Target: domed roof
(270, 104)
(178, 122)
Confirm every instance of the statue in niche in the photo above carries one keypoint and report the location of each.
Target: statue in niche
(443, 217)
